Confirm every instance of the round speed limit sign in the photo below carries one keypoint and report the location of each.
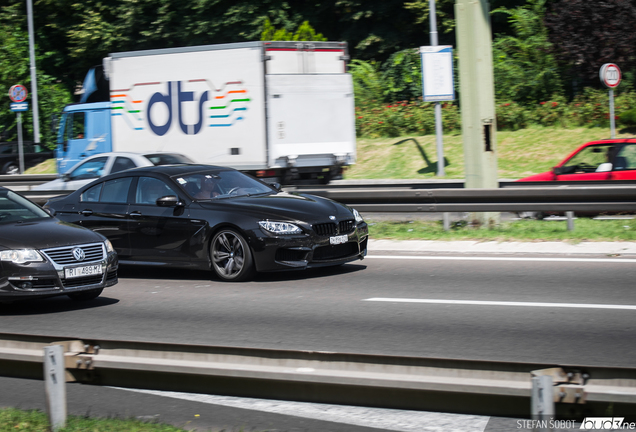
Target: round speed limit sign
(18, 93)
(610, 75)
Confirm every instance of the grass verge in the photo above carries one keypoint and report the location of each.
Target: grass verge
(585, 229)
(12, 420)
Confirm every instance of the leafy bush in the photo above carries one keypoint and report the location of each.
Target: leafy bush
(402, 118)
(511, 116)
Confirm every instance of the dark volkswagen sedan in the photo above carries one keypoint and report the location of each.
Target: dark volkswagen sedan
(207, 217)
(40, 256)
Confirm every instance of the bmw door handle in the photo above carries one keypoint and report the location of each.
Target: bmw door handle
(135, 214)
(86, 212)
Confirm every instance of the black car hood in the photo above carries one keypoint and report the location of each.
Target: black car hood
(45, 233)
(293, 206)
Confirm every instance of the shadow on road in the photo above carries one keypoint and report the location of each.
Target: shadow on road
(53, 305)
(138, 272)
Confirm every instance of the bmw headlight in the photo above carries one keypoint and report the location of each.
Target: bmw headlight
(21, 256)
(109, 246)
(357, 216)
(280, 227)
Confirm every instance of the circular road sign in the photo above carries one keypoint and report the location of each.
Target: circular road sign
(610, 75)
(18, 93)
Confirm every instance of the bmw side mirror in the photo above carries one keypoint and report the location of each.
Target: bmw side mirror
(169, 201)
(276, 186)
(49, 211)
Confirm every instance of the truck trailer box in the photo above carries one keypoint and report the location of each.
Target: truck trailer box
(283, 110)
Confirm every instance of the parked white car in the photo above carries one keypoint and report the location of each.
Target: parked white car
(103, 164)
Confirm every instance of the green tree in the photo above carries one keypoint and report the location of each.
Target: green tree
(15, 69)
(305, 32)
(525, 70)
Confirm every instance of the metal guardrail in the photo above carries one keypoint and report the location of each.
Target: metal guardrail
(450, 385)
(514, 199)
(593, 197)
(560, 199)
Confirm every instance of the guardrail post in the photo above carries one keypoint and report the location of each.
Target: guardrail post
(55, 385)
(542, 402)
(446, 219)
(570, 216)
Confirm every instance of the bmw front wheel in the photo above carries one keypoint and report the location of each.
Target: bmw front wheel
(231, 256)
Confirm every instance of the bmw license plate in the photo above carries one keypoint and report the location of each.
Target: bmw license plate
(336, 240)
(88, 270)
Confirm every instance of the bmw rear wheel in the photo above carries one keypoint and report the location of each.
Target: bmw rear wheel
(231, 256)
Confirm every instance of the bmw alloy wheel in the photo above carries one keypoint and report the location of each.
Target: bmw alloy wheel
(231, 256)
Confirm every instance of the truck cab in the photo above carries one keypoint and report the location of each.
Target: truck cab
(84, 131)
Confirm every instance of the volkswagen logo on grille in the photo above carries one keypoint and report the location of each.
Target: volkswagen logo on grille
(332, 217)
(79, 254)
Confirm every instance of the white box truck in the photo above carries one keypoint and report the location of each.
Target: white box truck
(278, 110)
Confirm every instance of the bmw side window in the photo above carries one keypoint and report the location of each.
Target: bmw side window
(150, 189)
(92, 194)
(626, 159)
(116, 191)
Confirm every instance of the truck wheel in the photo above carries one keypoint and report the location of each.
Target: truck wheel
(86, 295)
(231, 256)
(11, 168)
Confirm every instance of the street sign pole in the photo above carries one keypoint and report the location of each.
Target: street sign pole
(612, 122)
(438, 105)
(18, 94)
(20, 149)
(610, 76)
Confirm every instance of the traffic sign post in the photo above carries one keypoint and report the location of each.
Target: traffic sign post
(18, 94)
(610, 76)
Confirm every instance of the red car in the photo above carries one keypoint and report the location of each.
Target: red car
(611, 159)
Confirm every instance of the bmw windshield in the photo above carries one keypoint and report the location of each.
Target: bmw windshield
(215, 184)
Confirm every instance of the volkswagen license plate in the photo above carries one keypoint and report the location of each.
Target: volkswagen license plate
(336, 240)
(88, 270)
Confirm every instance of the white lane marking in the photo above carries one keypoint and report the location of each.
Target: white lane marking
(502, 303)
(381, 418)
(471, 258)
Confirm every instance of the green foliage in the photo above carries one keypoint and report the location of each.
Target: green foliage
(368, 82)
(511, 116)
(525, 71)
(15, 69)
(305, 32)
(403, 118)
(402, 75)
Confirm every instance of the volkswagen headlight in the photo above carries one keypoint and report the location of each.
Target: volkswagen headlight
(109, 246)
(357, 216)
(280, 227)
(21, 256)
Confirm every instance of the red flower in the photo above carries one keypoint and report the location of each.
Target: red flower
(380, 122)
(360, 117)
(506, 104)
(554, 104)
(542, 103)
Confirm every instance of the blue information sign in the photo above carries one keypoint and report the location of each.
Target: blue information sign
(19, 106)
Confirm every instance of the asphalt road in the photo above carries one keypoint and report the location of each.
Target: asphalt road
(485, 307)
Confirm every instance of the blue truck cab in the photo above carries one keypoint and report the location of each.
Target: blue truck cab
(84, 131)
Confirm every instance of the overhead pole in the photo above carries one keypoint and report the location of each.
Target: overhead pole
(477, 98)
(34, 81)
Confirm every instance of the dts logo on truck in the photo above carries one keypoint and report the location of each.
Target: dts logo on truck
(212, 107)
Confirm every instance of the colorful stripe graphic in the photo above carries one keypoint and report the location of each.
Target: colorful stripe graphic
(231, 98)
